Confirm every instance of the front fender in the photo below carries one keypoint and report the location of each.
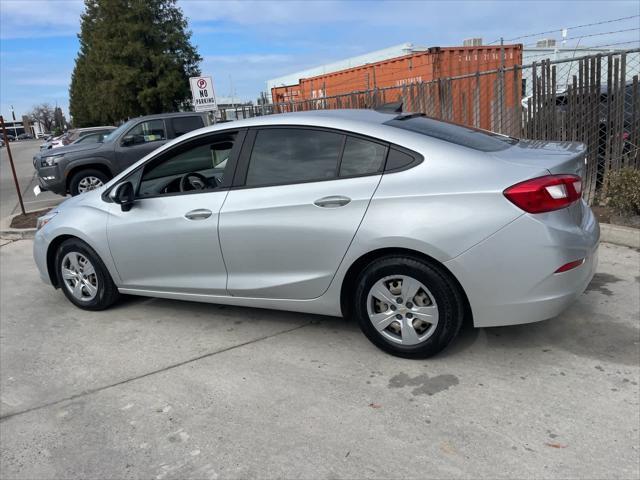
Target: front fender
(74, 164)
(87, 222)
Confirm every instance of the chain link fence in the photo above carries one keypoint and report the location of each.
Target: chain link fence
(592, 99)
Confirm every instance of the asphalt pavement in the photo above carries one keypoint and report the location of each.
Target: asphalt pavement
(177, 390)
(22, 152)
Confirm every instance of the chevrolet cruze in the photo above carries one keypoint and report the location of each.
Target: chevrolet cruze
(408, 224)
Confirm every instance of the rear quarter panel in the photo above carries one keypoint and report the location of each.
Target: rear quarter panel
(442, 207)
(445, 205)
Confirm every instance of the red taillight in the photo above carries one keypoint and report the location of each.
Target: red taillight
(545, 194)
(570, 265)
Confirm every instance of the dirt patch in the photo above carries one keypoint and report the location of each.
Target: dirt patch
(27, 221)
(606, 215)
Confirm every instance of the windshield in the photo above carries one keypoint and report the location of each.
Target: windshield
(116, 133)
(469, 137)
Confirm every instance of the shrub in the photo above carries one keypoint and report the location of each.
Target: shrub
(623, 191)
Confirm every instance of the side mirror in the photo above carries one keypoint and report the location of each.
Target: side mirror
(128, 141)
(123, 195)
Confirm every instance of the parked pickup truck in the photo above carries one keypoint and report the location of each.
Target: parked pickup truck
(82, 167)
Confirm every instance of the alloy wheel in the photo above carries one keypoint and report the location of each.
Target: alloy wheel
(89, 183)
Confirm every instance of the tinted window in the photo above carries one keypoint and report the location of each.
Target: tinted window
(361, 157)
(397, 159)
(465, 136)
(208, 159)
(149, 131)
(291, 155)
(182, 125)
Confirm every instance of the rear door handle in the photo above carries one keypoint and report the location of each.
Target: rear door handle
(198, 214)
(333, 201)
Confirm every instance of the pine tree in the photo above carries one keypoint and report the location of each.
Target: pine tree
(135, 58)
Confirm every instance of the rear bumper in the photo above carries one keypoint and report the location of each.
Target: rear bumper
(509, 278)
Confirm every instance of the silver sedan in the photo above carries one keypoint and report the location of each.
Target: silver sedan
(405, 223)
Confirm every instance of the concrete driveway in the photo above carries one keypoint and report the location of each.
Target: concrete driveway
(166, 389)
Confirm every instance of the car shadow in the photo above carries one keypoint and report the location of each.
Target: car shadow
(236, 314)
(578, 330)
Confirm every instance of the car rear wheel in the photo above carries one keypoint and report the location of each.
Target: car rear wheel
(83, 277)
(87, 180)
(408, 307)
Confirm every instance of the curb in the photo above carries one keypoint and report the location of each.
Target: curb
(17, 233)
(14, 233)
(619, 235)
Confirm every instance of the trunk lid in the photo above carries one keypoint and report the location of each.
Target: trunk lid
(555, 157)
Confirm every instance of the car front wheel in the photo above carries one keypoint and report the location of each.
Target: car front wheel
(83, 277)
(408, 307)
(86, 180)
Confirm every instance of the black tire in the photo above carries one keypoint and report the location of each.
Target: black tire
(77, 178)
(444, 290)
(107, 292)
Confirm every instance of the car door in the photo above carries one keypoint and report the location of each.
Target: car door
(140, 140)
(168, 241)
(299, 197)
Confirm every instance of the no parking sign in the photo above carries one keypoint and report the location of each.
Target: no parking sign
(204, 98)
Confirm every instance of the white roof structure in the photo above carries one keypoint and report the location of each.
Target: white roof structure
(371, 57)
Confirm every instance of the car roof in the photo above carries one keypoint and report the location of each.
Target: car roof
(166, 115)
(88, 129)
(320, 117)
(370, 123)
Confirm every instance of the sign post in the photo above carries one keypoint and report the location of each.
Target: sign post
(13, 168)
(203, 96)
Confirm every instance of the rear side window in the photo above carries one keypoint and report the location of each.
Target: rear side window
(362, 157)
(293, 155)
(465, 136)
(182, 125)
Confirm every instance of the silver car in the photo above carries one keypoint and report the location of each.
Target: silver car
(408, 224)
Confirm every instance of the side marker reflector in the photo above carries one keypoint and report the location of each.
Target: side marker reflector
(569, 266)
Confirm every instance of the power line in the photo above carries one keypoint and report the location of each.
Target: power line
(584, 47)
(569, 28)
(593, 35)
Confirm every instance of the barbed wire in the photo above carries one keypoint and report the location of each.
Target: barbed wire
(590, 35)
(529, 35)
(585, 47)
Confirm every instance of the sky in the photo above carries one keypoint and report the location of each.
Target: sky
(245, 43)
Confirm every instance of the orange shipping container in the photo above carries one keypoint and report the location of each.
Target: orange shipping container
(415, 68)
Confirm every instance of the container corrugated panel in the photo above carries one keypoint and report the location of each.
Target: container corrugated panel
(416, 68)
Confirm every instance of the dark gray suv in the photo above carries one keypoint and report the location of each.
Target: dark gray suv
(82, 167)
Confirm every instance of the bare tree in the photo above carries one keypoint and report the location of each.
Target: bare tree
(45, 114)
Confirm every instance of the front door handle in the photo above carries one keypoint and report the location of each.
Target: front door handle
(198, 214)
(333, 201)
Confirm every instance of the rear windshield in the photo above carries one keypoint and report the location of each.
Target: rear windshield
(449, 132)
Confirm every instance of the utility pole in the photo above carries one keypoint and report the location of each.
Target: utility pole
(501, 93)
(15, 129)
(232, 92)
